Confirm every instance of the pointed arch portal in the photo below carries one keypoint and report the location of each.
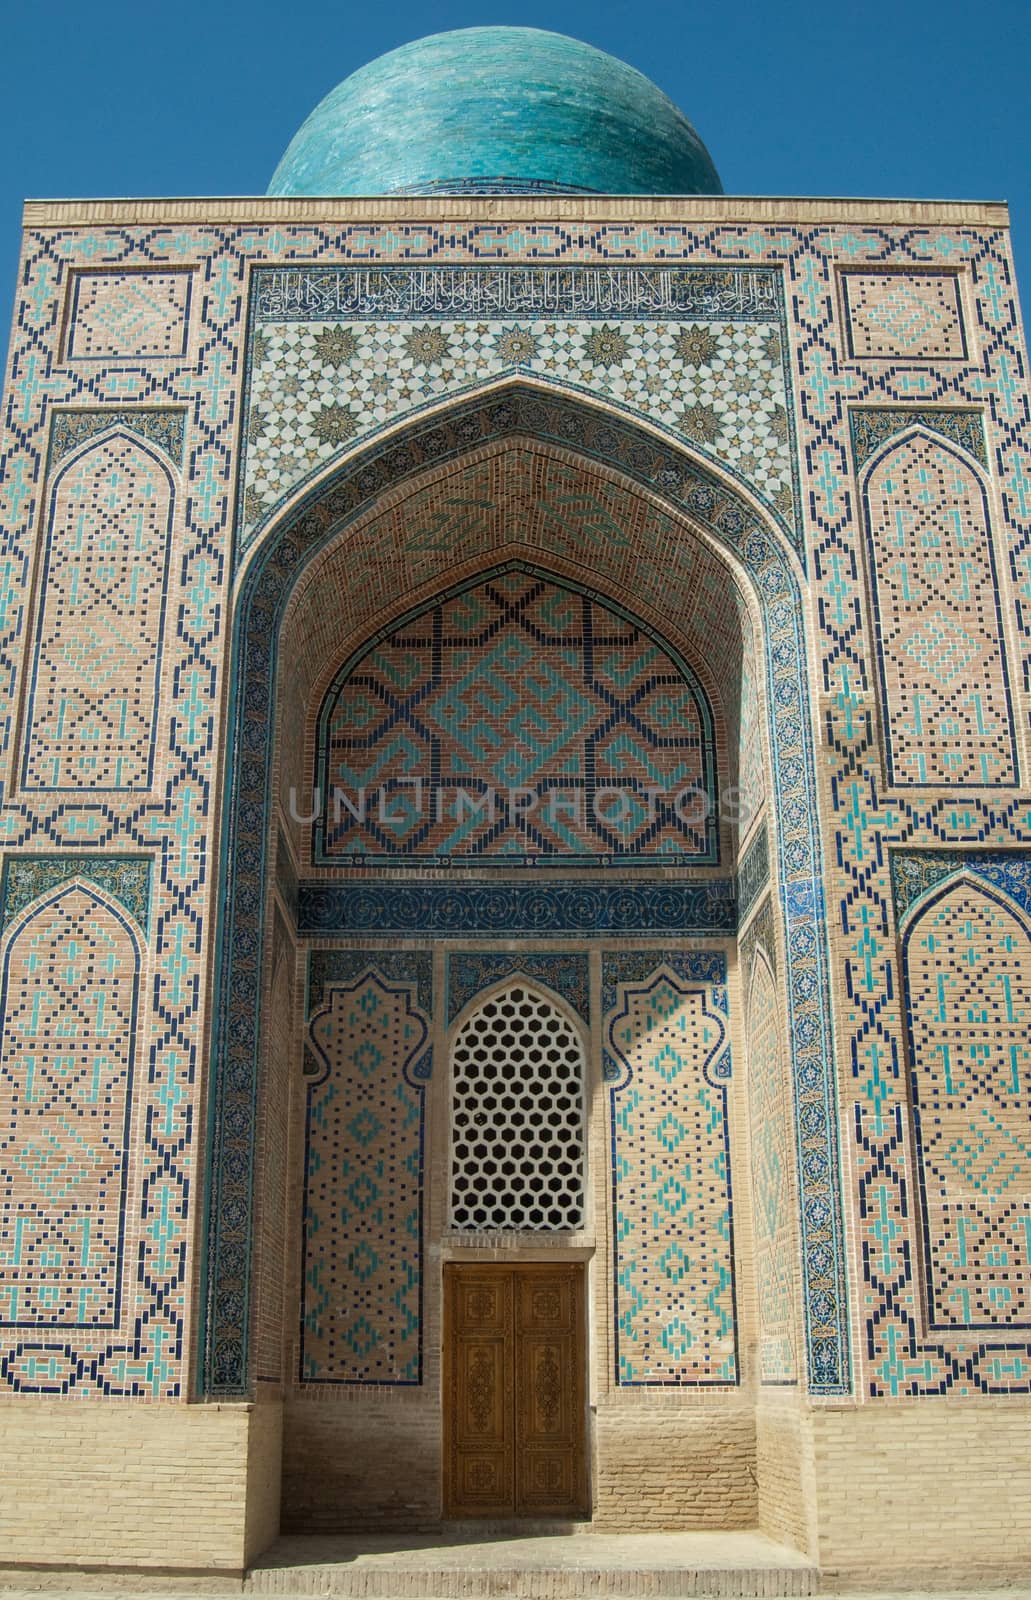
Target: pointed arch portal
(698, 512)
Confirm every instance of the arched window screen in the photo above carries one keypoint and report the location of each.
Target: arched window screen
(517, 1142)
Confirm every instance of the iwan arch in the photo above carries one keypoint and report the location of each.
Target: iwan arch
(515, 884)
(522, 575)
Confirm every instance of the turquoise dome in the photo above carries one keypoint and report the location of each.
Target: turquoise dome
(496, 110)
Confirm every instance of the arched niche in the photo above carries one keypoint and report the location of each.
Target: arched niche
(89, 720)
(945, 699)
(966, 963)
(69, 1005)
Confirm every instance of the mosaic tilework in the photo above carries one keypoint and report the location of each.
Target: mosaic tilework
(268, 583)
(505, 910)
(945, 694)
(914, 873)
(914, 316)
(967, 971)
(753, 873)
(163, 426)
(873, 426)
(522, 722)
(69, 1017)
(124, 879)
(317, 388)
(91, 714)
(673, 1251)
(524, 493)
(363, 1180)
(127, 316)
(773, 1191)
(890, 1354)
(565, 974)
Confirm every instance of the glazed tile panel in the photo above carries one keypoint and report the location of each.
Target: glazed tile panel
(973, 357)
(99, 634)
(319, 387)
(363, 1184)
(667, 1062)
(944, 683)
(516, 723)
(967, 969)
(71, 977)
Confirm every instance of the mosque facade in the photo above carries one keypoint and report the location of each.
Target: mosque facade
(515, 870)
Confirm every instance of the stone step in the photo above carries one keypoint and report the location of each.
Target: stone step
(535, 1565)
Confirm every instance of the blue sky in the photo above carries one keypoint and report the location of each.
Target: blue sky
(888, 97)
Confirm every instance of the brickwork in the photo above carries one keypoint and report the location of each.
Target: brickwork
(103, 587)
(784, 1473)
(110, 1484)
(943, 677)
(927, 1478)
(676, 1469)
(517, 721)
(668, 1065)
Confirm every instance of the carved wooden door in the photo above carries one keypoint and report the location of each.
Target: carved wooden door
(514, 1395)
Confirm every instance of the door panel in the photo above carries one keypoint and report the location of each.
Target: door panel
(514, 1391)
(482, 1455)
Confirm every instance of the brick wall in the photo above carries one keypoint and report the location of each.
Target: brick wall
(784, 1468)
(669, 1466)
(148, 1486)
(922, 1491)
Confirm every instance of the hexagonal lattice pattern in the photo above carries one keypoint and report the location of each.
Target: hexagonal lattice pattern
(517, 1116)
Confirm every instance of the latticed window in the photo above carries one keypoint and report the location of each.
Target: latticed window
(517, 1150)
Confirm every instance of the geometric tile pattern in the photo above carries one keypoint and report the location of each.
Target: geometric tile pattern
(945, 697)
(316, 388)
(912, 316)
(771, 1136)
(520, 722)
(101, 618)
(673, 1243)
(177, 823)
(126, 316)
(69, 1018)
(363, 1186)
(967, 970)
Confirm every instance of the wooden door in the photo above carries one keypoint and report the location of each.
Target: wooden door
(514, 1391)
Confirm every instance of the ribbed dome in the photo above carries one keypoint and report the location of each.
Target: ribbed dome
(495, 110)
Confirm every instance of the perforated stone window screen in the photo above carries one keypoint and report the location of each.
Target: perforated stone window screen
(517, 1135)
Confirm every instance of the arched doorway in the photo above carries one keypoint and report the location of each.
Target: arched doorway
(649, 939)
